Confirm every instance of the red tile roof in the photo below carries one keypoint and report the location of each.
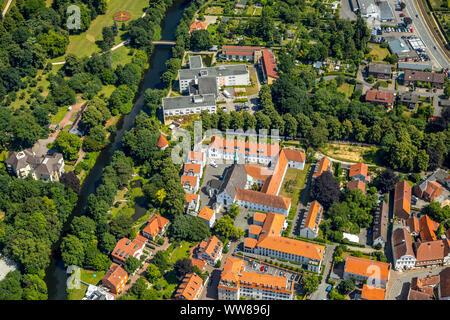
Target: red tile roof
(162, 142)
(372, 293)
(189, 287)
(294, 155)
(357, 184)
(379, 96)
(427, 228)
(192, 167)
(314, 216)
(257, 172)
(206, 213)
(115, 278)
(269, 63)
(198, 25)
(366, 267)
(240, 50)
(292, 246)
(211, 246)
(323, 165)
(192, 197)
(155, 224)
(263, 199)
(126, 248)
(190, 180)
(272, 185)
(358, 169)
(402, 200)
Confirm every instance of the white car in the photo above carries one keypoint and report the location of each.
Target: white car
(213, 164)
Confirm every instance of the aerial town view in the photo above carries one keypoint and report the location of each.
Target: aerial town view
(224, 150)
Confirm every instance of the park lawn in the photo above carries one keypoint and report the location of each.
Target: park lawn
(254, 88)
(379, 52)
(121, 56)
(180, 252)
(350, 153)
(85, 44)
(88, 277)
(56, 118)
(347, 89)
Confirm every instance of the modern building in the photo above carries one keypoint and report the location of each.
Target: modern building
(225, 75)
(195, 62)
(376, 97)
(156, 225)
(373, 273)
(246, 53)
(309, 227)
(45, 168)
(208, 215)
(380, 224)
(185, 105)
(380, 70)
(115, 279)
(126, 248)
(402, 200)
(403, 254)
(401, 49)
(235, 282)
(210, 250)
(190, 288)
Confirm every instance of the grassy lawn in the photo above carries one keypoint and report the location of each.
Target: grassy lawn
(351, 153)
(182, 251)
(88, 276)
(347, 89)
(56, 118)
(293, 192)
(84, 44)
(254, 88)
(214, 11)
(378, 52)
(121, 56)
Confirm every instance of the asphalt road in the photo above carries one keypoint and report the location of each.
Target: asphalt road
(422, 31)
(321, 293)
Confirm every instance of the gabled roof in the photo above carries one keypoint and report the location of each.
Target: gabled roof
(372, 293)
(155, 224)
(126, 248)
(273, 225)
(401, 239)
(413, 224)
(260, 217)
(198, 156)
(431, 250)
(292, 246)
(234, 177)
(192, 167)
(444, 283)
(211, 246)
(427, 228)
(200, 264)
(272, 185)
(322, 166)
(269, 63)
(189, 287)
(269, 200)
(190, 180)
(314, 216)
(380, 221)
(374, 95)
(257, 172)
(115, 275)
(206, 213)
(402, 198)
(366, 267)
(294, 155)
(192, 197)
(358, 169)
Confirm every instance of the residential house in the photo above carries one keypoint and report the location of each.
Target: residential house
(190, 288)
(431, 253)
(309, 227)
(380, 224)
(193, 202)
(191, 184)
(259, 218)
(235, 282)
(200, 264)
(375, 96)
(156, 225)
(376, 273)
(380, 70)
(256, 174)
(427, 228)
(210, 250)
(115, 279)
(323, 165)
(296, 159)
(95, 293)
(412, 77)
(197, 157)
(402, 200)
(359, 171)
(126, 248)
(423, 288)
(197, 25)
(45, 168)
(402, 250)
(208, 215)
(372, 293)
(193, 169)
(428, 190)
(409, 99)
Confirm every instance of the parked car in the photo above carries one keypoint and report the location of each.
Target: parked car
(262, 268)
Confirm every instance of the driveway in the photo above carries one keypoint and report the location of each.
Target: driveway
(321, 293)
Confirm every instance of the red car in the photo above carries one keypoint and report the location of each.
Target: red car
(402, 14)
(262, 268)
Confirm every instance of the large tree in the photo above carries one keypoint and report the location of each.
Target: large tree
(325, 189)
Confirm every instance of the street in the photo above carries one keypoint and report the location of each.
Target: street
(321, 293)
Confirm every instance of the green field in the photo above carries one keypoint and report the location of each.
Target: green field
(378, 52)
(299, 178)
(84, 44)
(346, 89)
(182, 251)
(88, 277)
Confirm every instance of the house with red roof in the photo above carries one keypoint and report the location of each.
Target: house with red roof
(126, 248)
(115, 279)
(357, 184)
(323, 165)
(156, 225)
(375, 273)
(402, 200)
(359, 171)
(210, 250)
(197, 25)
(269, 66)
(208, 215)
(246, 53)
(192, 202)
(380, 97)
(428, 190)
(311, 220)
(191, 184)
(190, 288)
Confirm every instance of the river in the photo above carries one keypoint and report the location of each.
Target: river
(56, 273)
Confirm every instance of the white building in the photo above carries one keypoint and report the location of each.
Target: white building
(402, 250)
(311, 220)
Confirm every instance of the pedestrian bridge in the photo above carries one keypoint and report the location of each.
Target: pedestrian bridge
(164, 43)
